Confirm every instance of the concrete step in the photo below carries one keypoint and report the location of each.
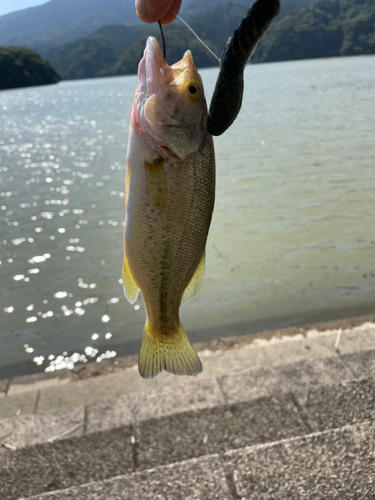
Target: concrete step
(59, 449)
(334, 464)
(199, 478)
(82, 385)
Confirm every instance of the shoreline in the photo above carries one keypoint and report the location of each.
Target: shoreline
(94, 369)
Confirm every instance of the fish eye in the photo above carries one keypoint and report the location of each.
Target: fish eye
(193, 90)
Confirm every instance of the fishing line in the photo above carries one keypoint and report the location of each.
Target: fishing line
(163, 39)
(202, 42)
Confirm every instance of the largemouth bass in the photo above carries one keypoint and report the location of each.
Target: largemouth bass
(169, 199)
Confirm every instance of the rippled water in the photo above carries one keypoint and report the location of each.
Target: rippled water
(293, 233)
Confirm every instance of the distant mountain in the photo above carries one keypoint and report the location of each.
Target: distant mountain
(122, 36)
(326, 28)
(24, 68)
(100, 54)
(63, 21)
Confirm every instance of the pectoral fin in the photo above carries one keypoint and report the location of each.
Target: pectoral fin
(196, 281)
(131, 290)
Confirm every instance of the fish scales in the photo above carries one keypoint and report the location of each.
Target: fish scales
(165, 244)
(170, 191)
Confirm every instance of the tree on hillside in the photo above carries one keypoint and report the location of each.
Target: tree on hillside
(325, 29)
(21, 67)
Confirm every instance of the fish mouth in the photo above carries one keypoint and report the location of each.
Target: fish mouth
(154, 71)
(158, 86)
(150, 76)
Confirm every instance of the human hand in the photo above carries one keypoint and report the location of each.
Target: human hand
(152, 11)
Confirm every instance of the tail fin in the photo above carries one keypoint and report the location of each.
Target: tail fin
(172, 353)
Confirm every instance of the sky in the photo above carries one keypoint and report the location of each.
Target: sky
(7, 6)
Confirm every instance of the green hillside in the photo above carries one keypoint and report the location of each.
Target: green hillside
(88, 57)
(324, 28)
(21, 67)
(327, 28)
(120, 35)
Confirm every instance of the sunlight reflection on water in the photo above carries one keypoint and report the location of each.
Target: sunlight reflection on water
(293, 225)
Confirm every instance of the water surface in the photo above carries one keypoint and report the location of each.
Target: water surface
(292, 238)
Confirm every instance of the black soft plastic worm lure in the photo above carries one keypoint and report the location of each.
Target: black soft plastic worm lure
(227, 97)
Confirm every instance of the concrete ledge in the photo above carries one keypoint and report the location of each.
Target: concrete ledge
(295, 377)
(4, 385)
(49, 378)
(334, 464)
(109, 414)
(120, 436)
(20, 404)
(67, 389)
(132, 409)
(192, 434)
(64, 463)
(362, 363)
(195, 479)
(28, 430)
(219, 357)
(330, 407)
(175, 399)
(330, 464)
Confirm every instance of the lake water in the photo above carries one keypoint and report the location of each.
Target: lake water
(292, 238)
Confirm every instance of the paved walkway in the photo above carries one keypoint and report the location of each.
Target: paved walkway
(280, 417)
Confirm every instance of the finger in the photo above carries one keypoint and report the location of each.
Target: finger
(151, 11)
(171, 14)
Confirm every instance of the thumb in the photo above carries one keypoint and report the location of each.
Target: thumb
(151, 11)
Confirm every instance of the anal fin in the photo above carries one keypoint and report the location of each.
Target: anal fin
(131, 290)
(196, 281)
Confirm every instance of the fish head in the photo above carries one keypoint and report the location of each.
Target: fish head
(169, 106)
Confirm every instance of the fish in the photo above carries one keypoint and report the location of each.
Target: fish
(169, 200)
